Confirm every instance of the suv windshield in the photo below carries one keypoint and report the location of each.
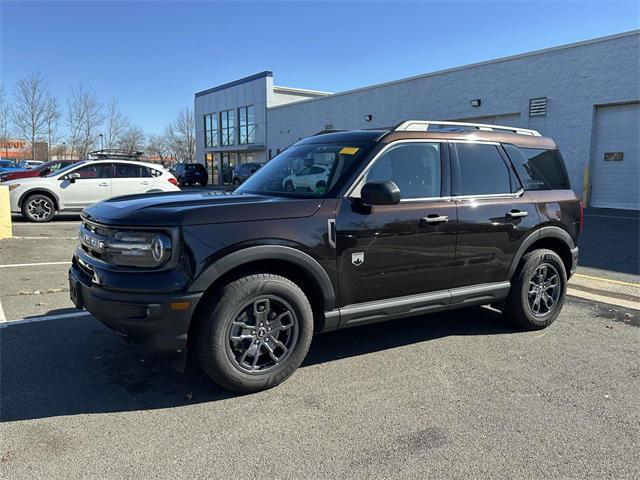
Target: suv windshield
(306, 171)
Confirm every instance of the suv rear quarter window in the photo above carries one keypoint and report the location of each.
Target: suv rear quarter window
(539, 169)
(482, 170)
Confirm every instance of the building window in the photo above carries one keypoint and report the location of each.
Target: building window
(246, 116)
(211, 130)
(228, 122)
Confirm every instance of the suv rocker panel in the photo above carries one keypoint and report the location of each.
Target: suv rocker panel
(402, 307)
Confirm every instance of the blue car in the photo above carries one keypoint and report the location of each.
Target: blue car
(9, 166)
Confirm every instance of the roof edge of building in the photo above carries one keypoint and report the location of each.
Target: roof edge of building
(472, 65)
(240, 81)
(303, 91)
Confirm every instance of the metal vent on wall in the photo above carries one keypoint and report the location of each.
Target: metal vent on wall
(538, 107)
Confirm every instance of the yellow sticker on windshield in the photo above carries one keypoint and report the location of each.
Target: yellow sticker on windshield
(349, 150)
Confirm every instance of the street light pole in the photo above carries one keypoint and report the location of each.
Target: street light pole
(64, 150)
(101, 141)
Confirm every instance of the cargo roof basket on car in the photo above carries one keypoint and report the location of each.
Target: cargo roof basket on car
(116, 154)
(438, 125)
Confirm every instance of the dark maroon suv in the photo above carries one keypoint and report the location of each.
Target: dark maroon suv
(426, 217)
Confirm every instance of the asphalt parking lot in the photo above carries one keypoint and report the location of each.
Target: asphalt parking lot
(455, 395)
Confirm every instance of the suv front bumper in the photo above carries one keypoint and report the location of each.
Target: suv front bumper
(156, 323)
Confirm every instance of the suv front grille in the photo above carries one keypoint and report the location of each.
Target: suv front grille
(93, 239)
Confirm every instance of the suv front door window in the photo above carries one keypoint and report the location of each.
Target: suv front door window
(387, 251)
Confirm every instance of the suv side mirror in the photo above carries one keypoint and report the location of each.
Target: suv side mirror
(73, 176)
(380, 193)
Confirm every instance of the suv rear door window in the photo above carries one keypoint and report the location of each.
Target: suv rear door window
(539, 169)
(124, 170)
(482, 170)
(414, 167)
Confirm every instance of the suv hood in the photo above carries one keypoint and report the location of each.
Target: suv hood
(196, 208)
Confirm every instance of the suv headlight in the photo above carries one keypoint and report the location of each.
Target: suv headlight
(138, 249)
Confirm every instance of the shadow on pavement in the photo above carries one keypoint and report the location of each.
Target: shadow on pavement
(611, 240)
(77, 366)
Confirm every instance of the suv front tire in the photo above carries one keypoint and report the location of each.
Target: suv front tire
(254, 333)
(38, 208)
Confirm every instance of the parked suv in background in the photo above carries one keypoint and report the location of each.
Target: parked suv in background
(39, 171)
(243, 171)
(190, 174)
(429, 216)
(81, 184)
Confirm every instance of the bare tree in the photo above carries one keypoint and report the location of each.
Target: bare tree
(180, 136)
(5, 112)
(117, 125)
(52, 115)
(84, 117)
(132, 139)
(29, 113)
(157, 147)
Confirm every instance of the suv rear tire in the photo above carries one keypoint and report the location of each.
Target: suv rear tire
(38, 208)
(254, 333)
(537, 291)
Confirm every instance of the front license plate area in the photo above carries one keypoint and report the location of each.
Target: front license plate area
(75, 292)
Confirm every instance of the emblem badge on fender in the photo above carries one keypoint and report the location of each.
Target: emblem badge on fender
(357, 258)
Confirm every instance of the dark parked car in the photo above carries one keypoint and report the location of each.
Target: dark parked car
(39, 171)
(426, 217)
(190, 174)
(243, 171)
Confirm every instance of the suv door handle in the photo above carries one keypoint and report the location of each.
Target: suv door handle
(434, 219)
(103, 184)
(144, 183)
(516, 214)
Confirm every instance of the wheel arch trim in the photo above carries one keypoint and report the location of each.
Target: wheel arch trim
(248, 255)
(41, 191)
(544, 232)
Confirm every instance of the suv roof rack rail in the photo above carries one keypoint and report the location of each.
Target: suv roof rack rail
(423, 125)
(116, 154)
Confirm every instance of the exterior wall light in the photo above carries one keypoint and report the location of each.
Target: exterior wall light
(476, 102)
(368, 118)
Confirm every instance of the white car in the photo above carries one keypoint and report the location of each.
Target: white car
(308, 178)
(81, 184)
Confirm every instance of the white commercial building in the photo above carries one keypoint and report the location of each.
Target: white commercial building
(585, 95)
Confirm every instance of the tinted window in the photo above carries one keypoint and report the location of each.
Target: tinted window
(154, 173)
(282, 174)
(539, 169)
(413, 167)
(195, 166)
(101, 170)
(124, 170)
(316, 170)
(482, 170)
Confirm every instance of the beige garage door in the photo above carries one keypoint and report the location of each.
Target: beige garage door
(615, 159)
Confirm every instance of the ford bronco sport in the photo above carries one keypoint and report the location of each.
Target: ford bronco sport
(426, 217)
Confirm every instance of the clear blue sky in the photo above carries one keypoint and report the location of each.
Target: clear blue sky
(152, 56)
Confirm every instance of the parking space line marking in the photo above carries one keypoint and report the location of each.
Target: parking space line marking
(608, 280)
(43, 318)
(603, 299)
(42, 238)
(42, 264)
(2, 316)
(45, 224)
